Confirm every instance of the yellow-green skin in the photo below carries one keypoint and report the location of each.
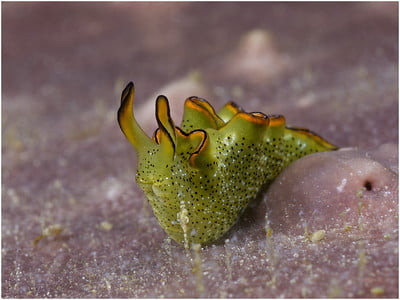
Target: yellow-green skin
(200, 177)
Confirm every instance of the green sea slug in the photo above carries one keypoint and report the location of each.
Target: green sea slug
(200, 177)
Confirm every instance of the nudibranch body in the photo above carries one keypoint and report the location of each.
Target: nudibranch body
(199, 177)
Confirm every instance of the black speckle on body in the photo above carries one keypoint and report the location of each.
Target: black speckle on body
(215, 195)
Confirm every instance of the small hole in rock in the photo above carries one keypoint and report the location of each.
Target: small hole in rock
(368, 185)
